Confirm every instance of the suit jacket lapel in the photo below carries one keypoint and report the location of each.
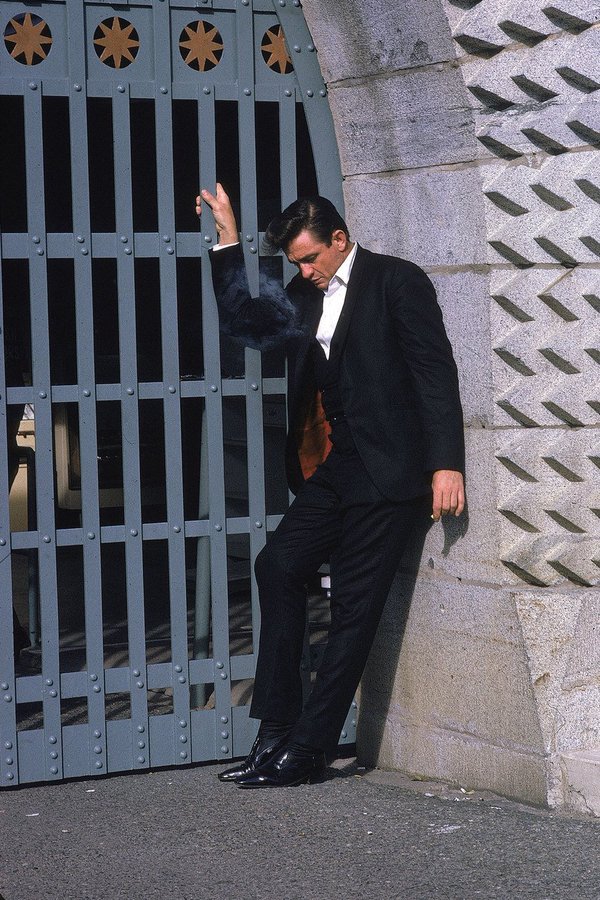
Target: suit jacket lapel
(353, 292)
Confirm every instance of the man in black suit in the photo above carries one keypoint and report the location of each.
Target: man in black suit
(363, 333)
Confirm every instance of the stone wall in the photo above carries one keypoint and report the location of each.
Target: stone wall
(469, 134)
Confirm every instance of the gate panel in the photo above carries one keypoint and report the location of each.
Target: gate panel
(157, 469)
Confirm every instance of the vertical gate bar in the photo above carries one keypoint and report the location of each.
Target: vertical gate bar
(44, 458)
(314, 96)
(171, 380)
(9, 768)
(86, 378)
(214, 427)
(288, 169)
(130, 427)
(250, 239)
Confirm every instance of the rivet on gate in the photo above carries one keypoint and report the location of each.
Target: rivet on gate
(287, 92)
(258, 524)
(252, 249)
(4, 686)
(354, 705)
(134, 532)
(249, 238)
(224, 734)
(40, 251)
(207, 238)
(43, 395)
(80, 239)
(77, 87)
(247, 92)
(130, 391)
(141, 759)
(220, 665)
(2, 542)
(121, 88)
(224, 749)
(323, 92)
(97, 749)
(225, 719)
(297, 48)
(91, 535)
(141, 744)
(93, 677)
(97, 733)
(310, 93)
(9, 760)
(87, 393)
(33, 85)
(139, 684)
(84, 251)
(164, 90)
(136, 673)
(183, 754)
(10, 776)
(128, 251)
(35, 239)
(214, 388)
(98, 763)
(53, 694)
(183, 723)
(183, 738)
(353, 723)
(181, 679)
(170, 251)
(206, 90)
(178, 668)
(52, 739)
(53, 770)
(166, 238)
(344, 734)
(46, 539)
(218, 528)
(310, 48)
(54, 755)
(141, 729)
(8, 745)
(124, 238)
(97, 688)
(224, 676)
(254, 386)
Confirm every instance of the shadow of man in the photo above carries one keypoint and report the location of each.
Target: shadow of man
(377, 685)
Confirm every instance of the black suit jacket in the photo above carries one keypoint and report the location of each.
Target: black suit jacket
(398, 378)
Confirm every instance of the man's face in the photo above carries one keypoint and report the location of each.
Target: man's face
(316, 261)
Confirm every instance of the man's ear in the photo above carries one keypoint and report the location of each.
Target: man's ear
(339, 239)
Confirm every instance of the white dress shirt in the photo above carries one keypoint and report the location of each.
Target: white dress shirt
(333, 302)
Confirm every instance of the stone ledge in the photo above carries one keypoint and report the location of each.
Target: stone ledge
(581, 773)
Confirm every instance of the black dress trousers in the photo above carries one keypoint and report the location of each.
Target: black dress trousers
(341, 517)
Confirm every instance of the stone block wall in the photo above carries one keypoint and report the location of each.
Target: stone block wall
(469, 135)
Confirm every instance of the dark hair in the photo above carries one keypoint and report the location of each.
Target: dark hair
(315, 214)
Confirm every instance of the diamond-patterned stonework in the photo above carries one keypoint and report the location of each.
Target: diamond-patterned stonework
(533, 76)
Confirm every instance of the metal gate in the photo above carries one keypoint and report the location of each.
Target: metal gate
(155, 459)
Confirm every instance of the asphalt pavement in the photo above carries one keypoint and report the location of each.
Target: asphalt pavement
(180, 834)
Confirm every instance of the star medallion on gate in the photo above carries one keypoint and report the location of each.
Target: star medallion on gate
(116, 42)
(275, 52)
(201, 46)
(28, 39)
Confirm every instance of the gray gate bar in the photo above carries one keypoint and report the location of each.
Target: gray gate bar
(250, 239)
(314, 96)
(214, 425)
(180, 751)
(86, 380)
(49, 755)
(9, 764)
(138, 756)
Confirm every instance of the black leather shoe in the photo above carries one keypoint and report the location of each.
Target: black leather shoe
(261, 752)
(285, 769)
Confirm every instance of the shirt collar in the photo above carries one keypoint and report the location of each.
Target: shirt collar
(342, 276)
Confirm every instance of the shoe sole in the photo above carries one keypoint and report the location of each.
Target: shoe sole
(316, 778)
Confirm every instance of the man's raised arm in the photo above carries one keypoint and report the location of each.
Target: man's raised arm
(262, 322)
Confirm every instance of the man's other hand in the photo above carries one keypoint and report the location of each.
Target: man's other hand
(223, 214)
(448, 493)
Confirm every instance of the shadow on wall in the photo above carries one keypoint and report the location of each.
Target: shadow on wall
(377, 685)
